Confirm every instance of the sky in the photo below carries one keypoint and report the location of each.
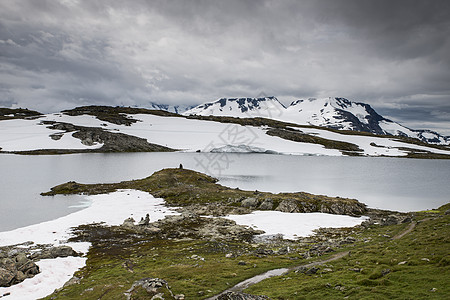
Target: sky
(393, 55)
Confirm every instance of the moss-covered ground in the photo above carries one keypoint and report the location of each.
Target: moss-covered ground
(415, 266)
(381, 264)
(183, 187)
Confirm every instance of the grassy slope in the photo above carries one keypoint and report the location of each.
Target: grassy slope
(183, 187)
(425, 275)
(120, 256)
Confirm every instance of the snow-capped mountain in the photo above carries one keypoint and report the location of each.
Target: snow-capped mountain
(341, 113)
(336, 113)
(178, 109)
(268, 107)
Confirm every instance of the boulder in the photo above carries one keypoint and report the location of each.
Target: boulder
(8, 264)
(153, 286)
(250, 202)
(6, 277)
(240, 296)
(29, 269)
(145, 221)
(62, 251)
(289, 206)
(20, 276)
(267, 204)
(129, 222)
(21, 259)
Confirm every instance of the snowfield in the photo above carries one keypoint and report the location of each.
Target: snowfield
(23, 135)
(191, 135)
(294, 225)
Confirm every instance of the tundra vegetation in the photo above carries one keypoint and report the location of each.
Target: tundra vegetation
(194, 257)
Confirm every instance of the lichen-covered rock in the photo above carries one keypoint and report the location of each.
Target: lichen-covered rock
(62, 251)
(267, 204)
(250, 202)
(6, 277)
(29, 269)
(289, 206)
(156, 288)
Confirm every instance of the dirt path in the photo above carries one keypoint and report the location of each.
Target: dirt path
(278, 272)
(406, 231)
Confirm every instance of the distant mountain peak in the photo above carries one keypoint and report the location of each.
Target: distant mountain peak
(178, 109)
(332, 112)
(269, 107)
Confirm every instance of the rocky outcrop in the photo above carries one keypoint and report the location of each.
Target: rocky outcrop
(386, 218)
(18, 113)
(289, 206)
(18, 262)
(112, 141)
(189, 225)
(155, 288)
(16, 269)
(330, 207)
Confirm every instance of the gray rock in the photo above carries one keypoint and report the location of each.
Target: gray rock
(240, 296)
(21, 259)
(44, 254)
(129, 222)
(8, 264)
(29, 269)
(62, 251)
(289, 206)
(267, 204)
(311, 271)
(250, 202)
(20, 276)
(145, 221)
(6, 277)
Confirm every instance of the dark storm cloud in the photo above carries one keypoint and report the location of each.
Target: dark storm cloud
(391, 54)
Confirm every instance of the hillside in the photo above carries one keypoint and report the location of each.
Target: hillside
(120, 129)
(335, 113)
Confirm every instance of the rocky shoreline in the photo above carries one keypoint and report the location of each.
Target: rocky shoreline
(18, 262)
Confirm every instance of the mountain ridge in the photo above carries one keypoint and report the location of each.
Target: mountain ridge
(332, 112)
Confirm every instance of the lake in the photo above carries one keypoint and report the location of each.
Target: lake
(388, 183)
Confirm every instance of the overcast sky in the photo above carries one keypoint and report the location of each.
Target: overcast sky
(393, 55)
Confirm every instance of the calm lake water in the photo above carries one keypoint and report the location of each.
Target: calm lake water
(388, 183)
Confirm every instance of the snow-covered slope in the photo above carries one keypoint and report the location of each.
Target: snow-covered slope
(178, 109)
(193, 135)
(337, 113)
(267, 107)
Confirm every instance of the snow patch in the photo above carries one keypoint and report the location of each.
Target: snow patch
(294, 225)
(54, 273)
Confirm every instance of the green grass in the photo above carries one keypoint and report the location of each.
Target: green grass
(378, 267)
(424, 275)
(183, 187)
(108, 273)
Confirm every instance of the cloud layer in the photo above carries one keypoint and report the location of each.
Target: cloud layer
(390, 54)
